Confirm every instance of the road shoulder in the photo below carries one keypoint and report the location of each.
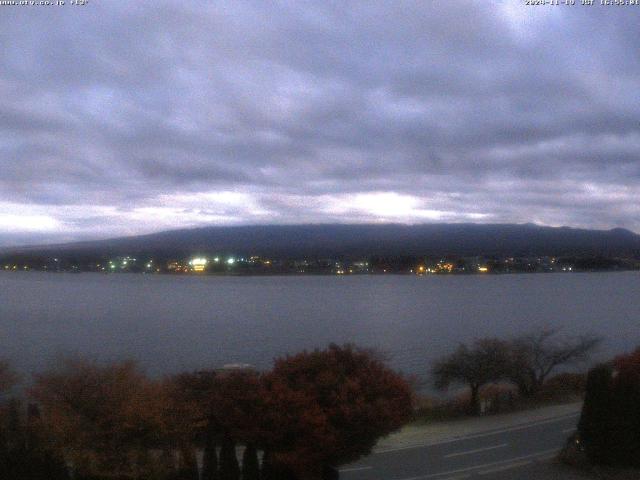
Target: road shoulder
(439, 432)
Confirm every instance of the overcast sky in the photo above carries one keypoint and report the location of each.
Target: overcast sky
(119, 118)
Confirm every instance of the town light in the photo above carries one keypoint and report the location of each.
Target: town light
(198, 264)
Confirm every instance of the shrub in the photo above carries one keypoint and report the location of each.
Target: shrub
(596, 415)
(24, 453)
(329, 407)
(564, 386)
(103, 418)
(610, 423)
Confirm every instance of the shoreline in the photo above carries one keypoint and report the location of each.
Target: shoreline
(299, 274)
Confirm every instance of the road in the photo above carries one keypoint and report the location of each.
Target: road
(492, 454)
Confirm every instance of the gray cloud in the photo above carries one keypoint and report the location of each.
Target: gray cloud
(126, 118)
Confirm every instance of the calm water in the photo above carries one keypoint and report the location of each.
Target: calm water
(170, 323)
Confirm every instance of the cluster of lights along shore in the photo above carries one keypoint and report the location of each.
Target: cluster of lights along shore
(199, 263)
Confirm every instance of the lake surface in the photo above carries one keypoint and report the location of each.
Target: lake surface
(172, 323)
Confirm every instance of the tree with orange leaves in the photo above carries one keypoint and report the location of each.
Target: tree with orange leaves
(220, 408)
(103, 418)
(329, 407)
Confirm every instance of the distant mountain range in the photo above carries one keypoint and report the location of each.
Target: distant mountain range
(360, 240)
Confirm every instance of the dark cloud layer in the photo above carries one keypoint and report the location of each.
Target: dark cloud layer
(123, 118)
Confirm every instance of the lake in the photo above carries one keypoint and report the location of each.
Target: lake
(173, 323)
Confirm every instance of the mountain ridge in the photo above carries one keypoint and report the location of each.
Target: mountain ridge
(353, 240)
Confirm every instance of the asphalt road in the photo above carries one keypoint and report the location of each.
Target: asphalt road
(494, 454)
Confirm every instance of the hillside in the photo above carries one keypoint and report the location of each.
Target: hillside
(327, 240)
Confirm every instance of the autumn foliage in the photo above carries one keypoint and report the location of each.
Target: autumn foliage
(103, 419)
(312, 411)
(329, 407)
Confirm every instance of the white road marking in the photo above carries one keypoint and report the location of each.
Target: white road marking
(485, 465)
(479, 435)
(477, 450)
(354, 469)
(505, 467)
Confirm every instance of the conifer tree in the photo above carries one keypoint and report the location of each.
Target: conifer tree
(625, 427)
(250, 466)
(595, 421)
(210, 461)
(229, 469)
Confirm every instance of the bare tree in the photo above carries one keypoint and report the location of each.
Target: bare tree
(486, 361)
(536, 355)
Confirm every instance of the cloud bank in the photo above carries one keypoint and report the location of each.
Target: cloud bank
(125, 118)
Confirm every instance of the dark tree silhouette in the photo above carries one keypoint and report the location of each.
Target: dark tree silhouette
(626, 425)
(609, 425)
(486, 361)
(596, 418)
(536, 355)
(210, 460)
(24, 453)
(229, 468)
(250, 465)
